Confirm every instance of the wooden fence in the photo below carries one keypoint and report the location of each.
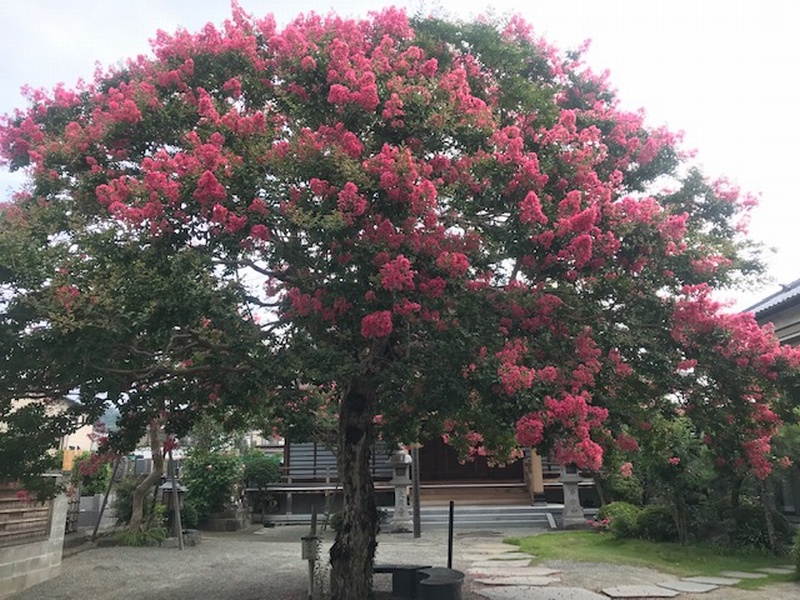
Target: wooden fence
(22, 521)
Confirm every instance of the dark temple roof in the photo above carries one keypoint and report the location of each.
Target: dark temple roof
(788, 294)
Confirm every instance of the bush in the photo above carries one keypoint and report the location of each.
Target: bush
(92, 473)
(750, 527)
(259, 469)
(122, 506)
(796, 551)
(623, 489)
(622, 518)
(153, 533)
(656, 523)
(188, 517)
(210, 479)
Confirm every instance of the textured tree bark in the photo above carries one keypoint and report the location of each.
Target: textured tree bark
(137, 501)
(766, 502)
(353, 553)
(736, 491)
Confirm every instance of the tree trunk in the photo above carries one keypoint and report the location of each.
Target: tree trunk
(599, 482)
(736, 490)
(137, 501)
(766, 502)
(353, 552)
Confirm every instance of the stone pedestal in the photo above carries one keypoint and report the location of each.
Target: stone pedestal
(572, 517)
(401, 463)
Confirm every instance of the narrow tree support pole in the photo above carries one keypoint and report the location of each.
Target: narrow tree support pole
(178, 526)
(415, 489)
(450, 535)
(105, 498)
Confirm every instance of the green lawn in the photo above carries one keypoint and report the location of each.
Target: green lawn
(683, 561)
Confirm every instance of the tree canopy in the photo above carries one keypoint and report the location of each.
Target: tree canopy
(436, 227)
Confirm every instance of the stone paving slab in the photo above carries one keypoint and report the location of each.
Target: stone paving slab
(690, 587)
(742, 574)
(495, 557)
(639, 591)
(711, 580)
(777, 570)
(494, 548)
(508, 571)
(502, 563)
(538, 593)
(517, 580)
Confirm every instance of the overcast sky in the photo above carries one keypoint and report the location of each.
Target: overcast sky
(722, 72)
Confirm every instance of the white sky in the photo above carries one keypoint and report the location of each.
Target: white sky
(719, 71)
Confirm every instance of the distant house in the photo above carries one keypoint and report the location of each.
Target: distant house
(782, 309)
(73, 444)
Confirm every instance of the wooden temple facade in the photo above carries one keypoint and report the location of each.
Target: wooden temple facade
(309, 477)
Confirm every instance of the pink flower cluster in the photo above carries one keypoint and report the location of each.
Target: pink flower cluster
(377, 324)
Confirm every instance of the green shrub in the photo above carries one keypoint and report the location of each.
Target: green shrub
(656, 523)
(750, 527)
(796, 551)
(122, 505)
(259, 469)
(92, 474)
(210, 479)
(188, 517)
(623, 489)
(622, 518)
(153, 533)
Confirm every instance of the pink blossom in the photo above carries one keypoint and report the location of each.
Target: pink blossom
(209, 189)
(397, 274)
(433, 288)
(674, 460)
(377, 324)
(455, 263)
(531, 209)
(626, 443)
(530, 430)
(260, 232)
(626, 470)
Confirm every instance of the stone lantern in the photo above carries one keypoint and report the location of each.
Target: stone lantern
(401, 465)
(572, 517)
(167, 493)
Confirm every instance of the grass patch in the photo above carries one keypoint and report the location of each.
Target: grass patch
(757, 584)
(682, 561)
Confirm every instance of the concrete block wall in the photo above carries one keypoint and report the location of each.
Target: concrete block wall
(25, 565)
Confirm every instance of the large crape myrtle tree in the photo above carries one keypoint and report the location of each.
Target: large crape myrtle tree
(442, 227)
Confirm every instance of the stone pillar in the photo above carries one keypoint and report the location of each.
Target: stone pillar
(401, 463)
(572, 517)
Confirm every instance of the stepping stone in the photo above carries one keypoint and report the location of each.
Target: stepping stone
(502, 563)
(690, 587)
(495, 557)
(713, 580)
(777, 570)
(639, 591)
(538, 593)
(742, 574)
(494, 547)
(518, 580)
(509, 571)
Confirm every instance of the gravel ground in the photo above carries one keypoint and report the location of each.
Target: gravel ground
(265, 564)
